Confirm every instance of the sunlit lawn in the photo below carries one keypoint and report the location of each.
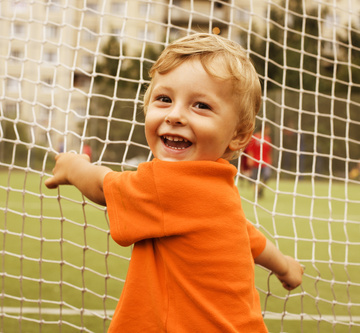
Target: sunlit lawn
(58, 254)
(322, 230)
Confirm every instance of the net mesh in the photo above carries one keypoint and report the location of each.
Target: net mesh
(72, 78)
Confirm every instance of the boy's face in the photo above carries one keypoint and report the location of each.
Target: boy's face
(191, 115)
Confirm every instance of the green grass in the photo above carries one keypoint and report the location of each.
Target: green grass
(80, 266)
(57, 250)
(327, 232)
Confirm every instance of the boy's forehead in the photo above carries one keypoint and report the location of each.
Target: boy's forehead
(186, 73)
(215, 68)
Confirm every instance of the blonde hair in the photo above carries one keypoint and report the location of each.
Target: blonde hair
(222, 59)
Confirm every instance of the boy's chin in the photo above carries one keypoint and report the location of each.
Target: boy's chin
(175, 155)
(172, 159)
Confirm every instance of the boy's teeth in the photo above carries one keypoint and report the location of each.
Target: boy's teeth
(174, 138)
(176, 142)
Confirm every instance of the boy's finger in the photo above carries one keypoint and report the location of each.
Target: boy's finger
(50, 183)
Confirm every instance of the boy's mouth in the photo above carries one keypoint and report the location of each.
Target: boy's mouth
(175, 142)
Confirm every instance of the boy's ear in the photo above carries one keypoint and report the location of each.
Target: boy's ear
(239, 141)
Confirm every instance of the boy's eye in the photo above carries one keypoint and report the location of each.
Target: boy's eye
(164, 99)
(200, 105)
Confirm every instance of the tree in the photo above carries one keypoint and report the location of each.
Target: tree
(288, 56)
(116, 113)
(290, 53)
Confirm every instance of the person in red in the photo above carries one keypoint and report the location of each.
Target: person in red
(192, 265)
(260, 160)
(88, 151)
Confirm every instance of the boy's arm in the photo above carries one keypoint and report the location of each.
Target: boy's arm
(73, 169)
(286, 268)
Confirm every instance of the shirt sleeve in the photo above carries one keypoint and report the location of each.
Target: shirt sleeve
(133, 206)
(257, 240)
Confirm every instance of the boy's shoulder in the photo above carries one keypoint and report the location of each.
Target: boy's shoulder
(196, 167)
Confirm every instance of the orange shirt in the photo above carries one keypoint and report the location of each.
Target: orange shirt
(192, 267)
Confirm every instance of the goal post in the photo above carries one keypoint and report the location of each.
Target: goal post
(72, 78)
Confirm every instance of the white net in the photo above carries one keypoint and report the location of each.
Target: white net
(72, 77)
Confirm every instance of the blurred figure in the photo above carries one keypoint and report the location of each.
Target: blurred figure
(355, 172)
(260, 151)
(87, 150)
(245, 168)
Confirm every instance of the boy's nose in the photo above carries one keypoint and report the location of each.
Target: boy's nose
(176, 117)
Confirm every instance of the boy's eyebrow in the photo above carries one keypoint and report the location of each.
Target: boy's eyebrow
(211, 100)
(161, 86)
(199, 94)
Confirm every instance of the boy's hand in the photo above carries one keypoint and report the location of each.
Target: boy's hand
(286, 268)
(63, 168)
(74, 169)
(293, 277)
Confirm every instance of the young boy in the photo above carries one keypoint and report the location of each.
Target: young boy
(192, 266)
